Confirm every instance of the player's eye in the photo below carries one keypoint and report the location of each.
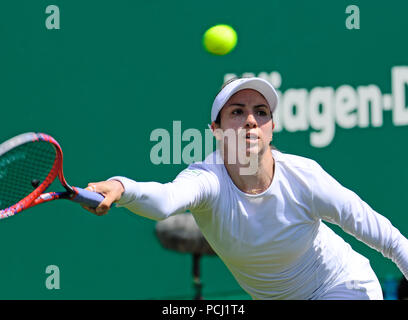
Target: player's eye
(261, 113)
(237, 111)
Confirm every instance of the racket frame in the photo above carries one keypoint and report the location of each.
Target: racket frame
(38, 196)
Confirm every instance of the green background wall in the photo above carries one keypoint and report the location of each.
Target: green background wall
(117, 70)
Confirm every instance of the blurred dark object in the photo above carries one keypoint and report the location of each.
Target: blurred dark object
(390, 287)
(181, 233)
(403, 289)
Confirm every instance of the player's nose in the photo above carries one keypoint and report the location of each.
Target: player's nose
(250, 121)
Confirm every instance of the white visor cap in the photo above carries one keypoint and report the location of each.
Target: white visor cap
(258, 84)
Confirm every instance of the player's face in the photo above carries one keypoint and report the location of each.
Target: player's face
(247, 113)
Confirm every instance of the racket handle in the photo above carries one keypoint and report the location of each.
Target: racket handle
(88, 198)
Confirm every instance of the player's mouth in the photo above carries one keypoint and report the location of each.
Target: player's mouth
(251, 137)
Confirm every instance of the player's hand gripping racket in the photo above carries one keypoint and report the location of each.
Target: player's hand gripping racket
(29, 163)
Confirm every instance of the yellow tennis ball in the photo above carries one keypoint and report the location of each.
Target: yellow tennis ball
(220, 39)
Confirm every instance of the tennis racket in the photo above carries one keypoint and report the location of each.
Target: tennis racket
(29, 163)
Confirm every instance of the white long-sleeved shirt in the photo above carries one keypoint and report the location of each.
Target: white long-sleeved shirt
(274, 243)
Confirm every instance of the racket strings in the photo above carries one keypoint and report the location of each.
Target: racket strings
(20, 167)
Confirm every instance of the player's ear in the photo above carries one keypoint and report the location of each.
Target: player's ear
(216, 130)
(273, 128)
(273, 122)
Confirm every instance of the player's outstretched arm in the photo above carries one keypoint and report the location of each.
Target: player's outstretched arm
(336, 204)
(193, 189)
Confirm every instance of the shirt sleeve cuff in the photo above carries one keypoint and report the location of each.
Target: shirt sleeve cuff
(131, 192)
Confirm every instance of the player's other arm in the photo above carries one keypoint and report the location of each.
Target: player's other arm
(192, 189)
(336, 204)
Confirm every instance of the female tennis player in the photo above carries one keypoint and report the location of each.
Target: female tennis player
(267, 225)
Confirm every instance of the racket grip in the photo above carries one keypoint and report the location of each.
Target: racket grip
(88, 198)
